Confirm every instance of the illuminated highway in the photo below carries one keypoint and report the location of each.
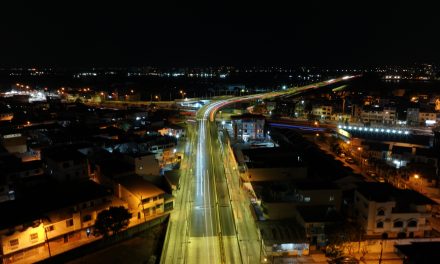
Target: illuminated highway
(212, 221)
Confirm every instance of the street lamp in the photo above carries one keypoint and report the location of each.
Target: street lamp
(418, 182)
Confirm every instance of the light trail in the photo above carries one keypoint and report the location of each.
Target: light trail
(206, 244)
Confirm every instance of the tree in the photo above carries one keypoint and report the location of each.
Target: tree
(339, 235)
(112, 220)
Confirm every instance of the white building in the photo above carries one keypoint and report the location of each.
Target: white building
(248, 127)
(322, 111)
(385, 115)
(387, 212)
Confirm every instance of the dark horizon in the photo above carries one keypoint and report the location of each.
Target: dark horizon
(168, 34)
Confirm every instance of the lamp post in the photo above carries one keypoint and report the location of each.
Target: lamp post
(360, 155)
(418, 182)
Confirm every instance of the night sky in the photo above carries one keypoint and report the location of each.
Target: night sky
(173, 33)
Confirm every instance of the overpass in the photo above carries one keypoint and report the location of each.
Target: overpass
(212, 220)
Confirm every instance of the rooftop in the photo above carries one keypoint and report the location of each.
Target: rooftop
(281, 232)
(319, 214)
(62, 153)
(247, 116)
(138, 186)
(272, 158)
(383, 192)
(37, 203)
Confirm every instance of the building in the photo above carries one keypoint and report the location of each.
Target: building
(322, 111)
(6, 116)
(283, 238)
(172, 131)
(52, 217)
(269, 164)
(315, 219)
(387, 212)
(14, 143)
(248, 127)
(279, 199)
(145, 200)
(420, 117)
(378, 115)
(65, 164)
(144, 164)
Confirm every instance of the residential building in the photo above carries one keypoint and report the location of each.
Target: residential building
(65, 164)
(270, 164)
(51, 217)
(279, 199)
(315, 220)
(14, 143)
(378, 115)
(387, 212)
(172, 131)
(322, 111)
(248, 127)
(283, 238)
(144, 199)
(421, 117)
(144, 164)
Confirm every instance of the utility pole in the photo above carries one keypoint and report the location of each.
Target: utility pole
(143, 209)
(47, 241)
(381, 251)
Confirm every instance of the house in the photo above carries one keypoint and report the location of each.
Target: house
(387, 212)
